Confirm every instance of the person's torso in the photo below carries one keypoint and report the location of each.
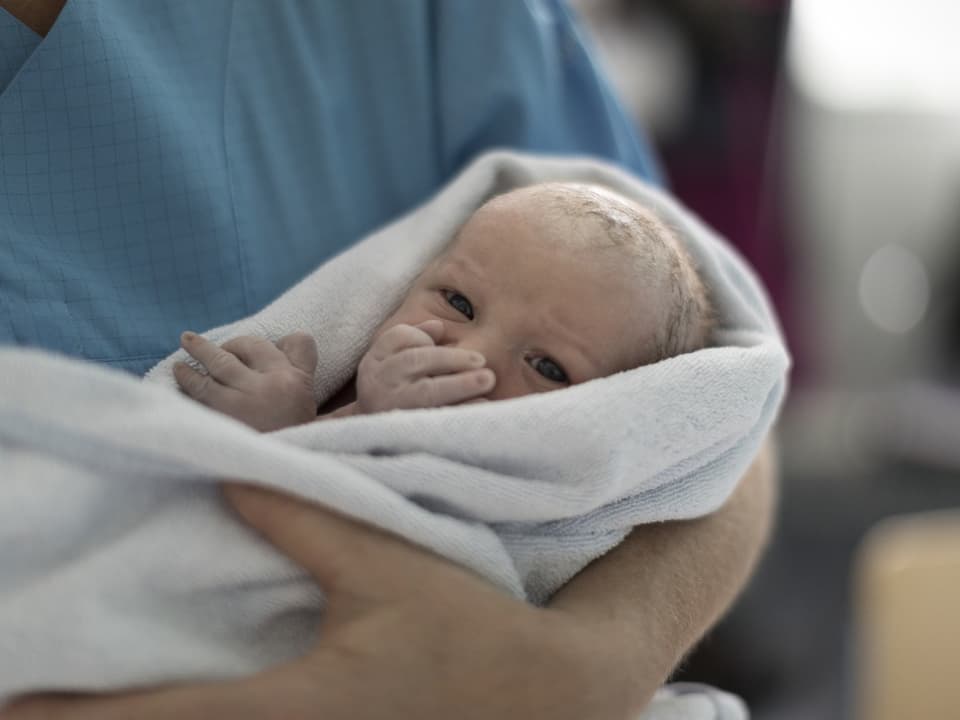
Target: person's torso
(166, 165)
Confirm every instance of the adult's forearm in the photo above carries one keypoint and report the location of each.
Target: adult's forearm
(655, 595)
(609, 640)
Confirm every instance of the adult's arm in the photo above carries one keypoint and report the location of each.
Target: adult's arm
(407, 635)
(657, 593)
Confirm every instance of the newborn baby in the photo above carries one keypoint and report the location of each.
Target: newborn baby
(544, 287)
(115, 503)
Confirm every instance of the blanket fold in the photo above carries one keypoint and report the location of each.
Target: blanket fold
(119, 565)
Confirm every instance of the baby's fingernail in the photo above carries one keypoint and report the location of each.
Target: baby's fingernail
(477, 359)
(485, 378)
(187, 336)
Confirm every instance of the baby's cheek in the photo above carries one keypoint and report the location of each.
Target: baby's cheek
(509, 385)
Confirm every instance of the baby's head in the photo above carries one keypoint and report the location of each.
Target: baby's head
(560, 283)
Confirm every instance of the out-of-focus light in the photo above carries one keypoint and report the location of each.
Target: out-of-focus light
(877, 54)
(894, 289)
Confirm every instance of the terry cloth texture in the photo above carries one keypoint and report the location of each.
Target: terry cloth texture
(120, 566)
(694, 701)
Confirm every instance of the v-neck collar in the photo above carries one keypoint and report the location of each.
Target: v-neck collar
(17, 43)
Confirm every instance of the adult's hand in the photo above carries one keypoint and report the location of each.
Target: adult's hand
(406, 635)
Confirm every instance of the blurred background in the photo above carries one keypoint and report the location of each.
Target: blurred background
(823, 139)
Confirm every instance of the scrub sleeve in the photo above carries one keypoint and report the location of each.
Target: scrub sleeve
(173, 164)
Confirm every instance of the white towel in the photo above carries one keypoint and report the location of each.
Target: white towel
(119, 565)
(694, 701)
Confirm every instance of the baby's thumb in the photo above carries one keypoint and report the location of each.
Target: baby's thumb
(301, 350)
(433, 328)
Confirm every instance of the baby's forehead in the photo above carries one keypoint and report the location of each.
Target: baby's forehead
(458, 260)
(591, 223)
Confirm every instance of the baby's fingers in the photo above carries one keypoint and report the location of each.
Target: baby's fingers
(453, 389)
(223, 366)
(301, 351)
(255, 352)
(420, 361)
(400, 337)
(202, 388)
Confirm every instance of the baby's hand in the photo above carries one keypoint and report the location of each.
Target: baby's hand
(266, 386)
(405, 368)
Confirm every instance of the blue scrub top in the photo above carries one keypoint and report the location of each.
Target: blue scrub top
(173, 164)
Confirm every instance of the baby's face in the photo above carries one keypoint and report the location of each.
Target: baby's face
(543, 314)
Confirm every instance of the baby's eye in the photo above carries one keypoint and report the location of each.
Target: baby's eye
(550, 370)
(459, 303)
